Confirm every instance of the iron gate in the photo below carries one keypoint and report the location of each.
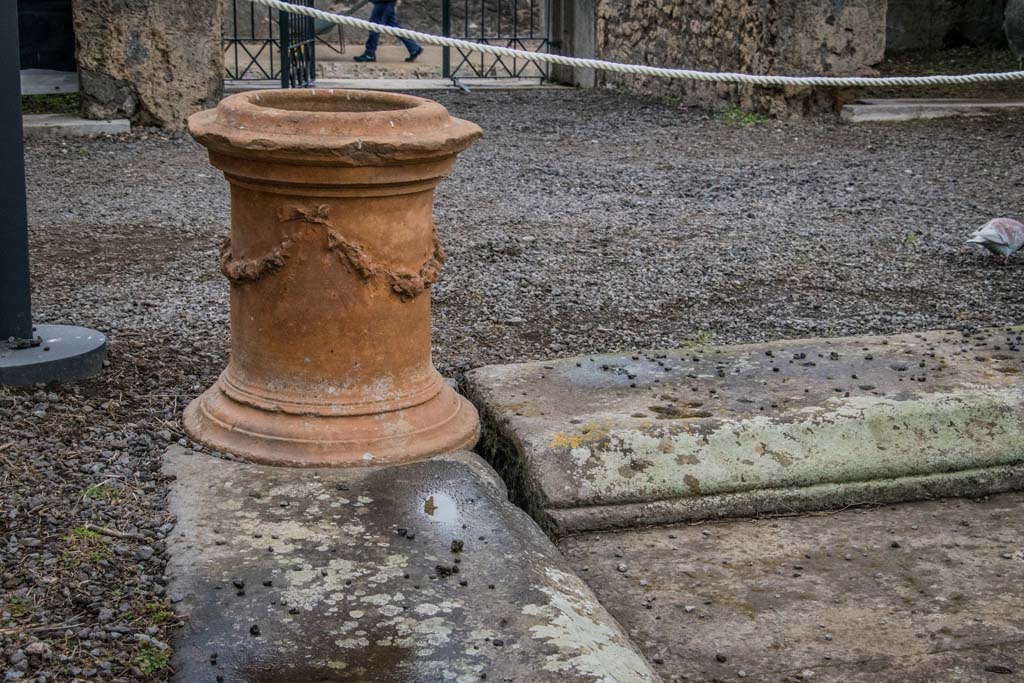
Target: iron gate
(298, 49)
(519, 24)
(261, 44)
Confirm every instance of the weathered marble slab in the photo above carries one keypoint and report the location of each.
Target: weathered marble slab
(657, 437)
(420, 573)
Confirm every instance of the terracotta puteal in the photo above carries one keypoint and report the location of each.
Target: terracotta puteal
(332, 253)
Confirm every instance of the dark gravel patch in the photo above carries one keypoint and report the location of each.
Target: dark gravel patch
(582, 222)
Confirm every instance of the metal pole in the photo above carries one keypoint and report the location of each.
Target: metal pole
(309, 36)
(446, 31)
(29, 354)
(284, 24)
(15, 293)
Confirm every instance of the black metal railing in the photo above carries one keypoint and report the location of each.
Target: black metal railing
(298, 49)
(261, 44)
(519, 24)
(251, 45)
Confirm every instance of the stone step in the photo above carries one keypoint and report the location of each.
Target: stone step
(48, 81)
(65, 125)
(418, 573)
(896, 110)
(658, 437)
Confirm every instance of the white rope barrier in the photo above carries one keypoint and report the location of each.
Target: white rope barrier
(657, 72)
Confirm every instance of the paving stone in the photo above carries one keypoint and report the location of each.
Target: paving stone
(358, 575)
(656, 437)
(897, 110)
(918, 593)
(48, 81)
(63, 125)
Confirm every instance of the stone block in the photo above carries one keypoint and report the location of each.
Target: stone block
(62, 125)
(154, 62)
(658, 437)
(896, 110)
(419, 573)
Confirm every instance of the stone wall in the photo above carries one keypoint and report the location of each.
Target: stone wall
(153, 61)
(935, 24)
(793, 37)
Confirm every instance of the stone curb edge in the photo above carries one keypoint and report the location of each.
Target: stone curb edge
(971, 483)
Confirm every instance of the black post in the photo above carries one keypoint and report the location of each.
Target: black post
(309, 35)
(446, 31)
(284, 24)
(15, 294)
(29, 354)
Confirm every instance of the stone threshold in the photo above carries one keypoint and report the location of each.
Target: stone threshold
(48, 81)
(896, 110)
(416, 573)
(626, 440)
(785, 501)
(64, 125)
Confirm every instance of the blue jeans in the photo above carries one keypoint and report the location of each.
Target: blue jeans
(384, 13)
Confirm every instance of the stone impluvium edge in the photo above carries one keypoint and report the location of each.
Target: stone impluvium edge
(417, 572)
(627, 440)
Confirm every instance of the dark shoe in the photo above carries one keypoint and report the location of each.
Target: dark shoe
(365, 58)
(413, 55)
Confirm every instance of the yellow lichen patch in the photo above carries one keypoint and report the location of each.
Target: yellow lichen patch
(588, 435)
(566, 441)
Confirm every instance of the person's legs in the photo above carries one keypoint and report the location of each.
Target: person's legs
(377, 16)
(391, 19)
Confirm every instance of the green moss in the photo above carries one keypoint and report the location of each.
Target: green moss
(85, 546)
(150, 660)
(702, 338)
(18, 607)
(102, 492)
(54, 103)
(736, 116)
(157, 614)
(80, 533)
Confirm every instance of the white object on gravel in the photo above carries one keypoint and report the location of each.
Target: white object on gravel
(1001, 236)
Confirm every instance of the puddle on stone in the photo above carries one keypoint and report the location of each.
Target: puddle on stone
(378, 663)
(442, 508)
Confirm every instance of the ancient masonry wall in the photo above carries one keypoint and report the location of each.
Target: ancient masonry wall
(153, 61)
(819, 37)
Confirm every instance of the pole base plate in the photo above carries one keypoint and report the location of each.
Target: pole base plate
(67, 353)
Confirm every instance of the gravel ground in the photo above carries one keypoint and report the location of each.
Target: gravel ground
(582, 222)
